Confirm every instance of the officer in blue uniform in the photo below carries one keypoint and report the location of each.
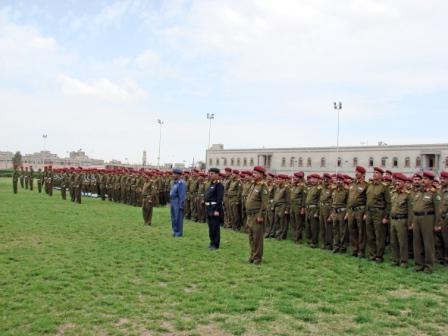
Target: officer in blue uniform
(213, 198)
(177, 201)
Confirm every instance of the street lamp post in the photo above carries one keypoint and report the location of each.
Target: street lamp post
(210, 116)
(337, 107)
(160, 122)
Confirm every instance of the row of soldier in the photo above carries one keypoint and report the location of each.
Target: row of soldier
(335, 212)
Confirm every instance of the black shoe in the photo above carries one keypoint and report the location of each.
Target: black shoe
(251, 261)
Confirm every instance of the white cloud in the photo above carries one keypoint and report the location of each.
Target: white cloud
(102, 89)
(370, 43)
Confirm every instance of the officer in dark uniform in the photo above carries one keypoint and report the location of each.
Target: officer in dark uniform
(213, 199)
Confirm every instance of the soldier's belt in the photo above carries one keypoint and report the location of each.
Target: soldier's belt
(358, 208)
(375, 209)
(396, 217)
(339, 210)
(311, 206)
(211, 203)
(423, 213)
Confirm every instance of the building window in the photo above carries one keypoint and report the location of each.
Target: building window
(232, 161)
(300, 164)
(383, 161)
(238, 162)
(283, 162)
(371, 162)
(251, 161)
(308, 162)
(217, 161)
(322, 162)
(418, 162)
(407, 162)
(355, 161)
(395, 162)
(244, 162)
(210, 161)
(291, 162)
(225, 161)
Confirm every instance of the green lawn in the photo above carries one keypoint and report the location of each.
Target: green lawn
(94, 269)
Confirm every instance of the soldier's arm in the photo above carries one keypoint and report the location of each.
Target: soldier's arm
(437, 200)
(387, 200)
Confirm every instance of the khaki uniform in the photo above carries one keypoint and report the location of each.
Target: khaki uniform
(339, 211)
(400, 215)
(426, 213)
(356, 204)
(256, 204)
(378, 208)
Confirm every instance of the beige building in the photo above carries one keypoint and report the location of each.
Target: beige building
(43, 158)
(397, 158)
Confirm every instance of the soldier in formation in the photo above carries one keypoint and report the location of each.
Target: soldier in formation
(336, 212)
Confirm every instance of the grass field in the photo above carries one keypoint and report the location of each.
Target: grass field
(94, 269)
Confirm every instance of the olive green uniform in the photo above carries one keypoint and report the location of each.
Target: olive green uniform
(147, 201)
(15, 180)
(339, 211)
(31, 178)
(281, 209)
(426, 213)
(234, 196)
(378, 209)
(256, 204)
(442, 236)
(297, 208)
(269, 216)
(312, 214)
(400, 215)
(325, 222)
(356, 204)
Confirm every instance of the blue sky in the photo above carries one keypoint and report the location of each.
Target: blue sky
(97, 75)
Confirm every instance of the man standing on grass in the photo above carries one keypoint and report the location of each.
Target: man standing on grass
(377, 215)
(177, 201)
(426, 221)
(256, 205)
(213, 197)
(15, 179)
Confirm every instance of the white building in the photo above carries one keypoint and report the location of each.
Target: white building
(398, 158)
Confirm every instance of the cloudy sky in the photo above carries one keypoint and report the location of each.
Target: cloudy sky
(97, 75)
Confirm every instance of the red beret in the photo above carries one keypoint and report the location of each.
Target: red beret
(283, 176)
(341, 177)
(387, 178)
(360, 169)
(260, 169)
(348, 177)
(314, 176)
(444, 174)
(378, 169)
(227, 169)
(327, 176)
(299, 174)
(388, 172)
(419, 175)
(429, 175)
(400, 176)
(235, 171)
